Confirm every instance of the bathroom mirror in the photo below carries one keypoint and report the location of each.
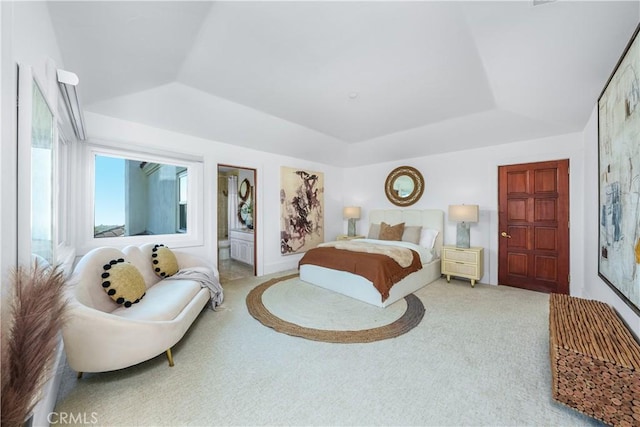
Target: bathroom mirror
(404, 186)
(244, 213)
(245, 189)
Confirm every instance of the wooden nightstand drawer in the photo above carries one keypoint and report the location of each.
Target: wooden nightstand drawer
(460, 255)
(456, 268)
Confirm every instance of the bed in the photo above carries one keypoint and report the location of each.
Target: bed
(360, 288)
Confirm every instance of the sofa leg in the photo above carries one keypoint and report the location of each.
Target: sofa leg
(170, 357)
(79, 375)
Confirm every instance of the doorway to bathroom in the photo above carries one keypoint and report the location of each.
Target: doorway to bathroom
(236, 222)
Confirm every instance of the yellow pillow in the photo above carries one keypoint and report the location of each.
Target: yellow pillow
(123, 282)
(388, 232)
(164, 261)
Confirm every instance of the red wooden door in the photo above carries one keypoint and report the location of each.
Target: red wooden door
(533, 206)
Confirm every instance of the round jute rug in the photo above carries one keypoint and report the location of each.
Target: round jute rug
(407, 320)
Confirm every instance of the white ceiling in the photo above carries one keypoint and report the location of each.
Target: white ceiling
(375, 80)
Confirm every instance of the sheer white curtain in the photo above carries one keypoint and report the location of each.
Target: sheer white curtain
(232, 203)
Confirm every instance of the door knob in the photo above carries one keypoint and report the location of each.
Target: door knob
(504, 234)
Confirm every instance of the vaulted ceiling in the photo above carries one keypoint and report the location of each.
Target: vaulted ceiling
(375, 81)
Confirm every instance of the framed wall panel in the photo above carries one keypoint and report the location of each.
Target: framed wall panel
(619, 177)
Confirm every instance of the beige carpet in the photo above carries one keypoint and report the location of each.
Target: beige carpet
(479, 357)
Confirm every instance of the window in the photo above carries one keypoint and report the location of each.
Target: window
(182, 201)
(45, 227)
(36, 169)
(42, 164)
(62, 191)
(109, 210)
(137, 196)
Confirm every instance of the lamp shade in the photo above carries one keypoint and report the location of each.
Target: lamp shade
(463, 213)
(351, 212)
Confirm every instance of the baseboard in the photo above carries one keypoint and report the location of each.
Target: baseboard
(281, 266)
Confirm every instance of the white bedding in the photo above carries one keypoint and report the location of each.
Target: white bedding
(426, 254)
(360, 288)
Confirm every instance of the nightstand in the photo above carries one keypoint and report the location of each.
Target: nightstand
(463, 262)
(345, 237)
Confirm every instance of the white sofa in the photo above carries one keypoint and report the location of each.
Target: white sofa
(101, 335)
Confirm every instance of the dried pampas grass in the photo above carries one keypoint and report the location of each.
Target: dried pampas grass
(37, 310)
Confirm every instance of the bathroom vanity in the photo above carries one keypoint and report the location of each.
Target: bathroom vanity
(241, 241)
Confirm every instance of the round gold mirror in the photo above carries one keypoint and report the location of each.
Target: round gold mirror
(244, 189)
(404, 186)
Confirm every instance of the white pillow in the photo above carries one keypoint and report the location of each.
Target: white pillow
(428, 237)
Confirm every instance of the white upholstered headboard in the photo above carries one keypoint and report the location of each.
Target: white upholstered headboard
(427, 218)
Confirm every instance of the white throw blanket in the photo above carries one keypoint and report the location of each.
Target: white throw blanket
(403, 256)
(206, 280)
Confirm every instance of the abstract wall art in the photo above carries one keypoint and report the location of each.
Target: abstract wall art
(301, 210)
(619, 177)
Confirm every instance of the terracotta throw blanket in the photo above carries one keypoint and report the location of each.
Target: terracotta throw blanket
(380, 269)
(402, 256)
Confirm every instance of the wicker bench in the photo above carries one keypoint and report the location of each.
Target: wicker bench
(595, 360)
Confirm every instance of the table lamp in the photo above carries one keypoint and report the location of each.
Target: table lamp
(351, 213)
(463, 215)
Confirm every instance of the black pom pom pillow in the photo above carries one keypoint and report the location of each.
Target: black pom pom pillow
(123, 282)
(164, 261)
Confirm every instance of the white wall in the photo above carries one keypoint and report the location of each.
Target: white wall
(34, 43)
(218, 119)
(8, 154)
(267, 165)
(471, 177)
